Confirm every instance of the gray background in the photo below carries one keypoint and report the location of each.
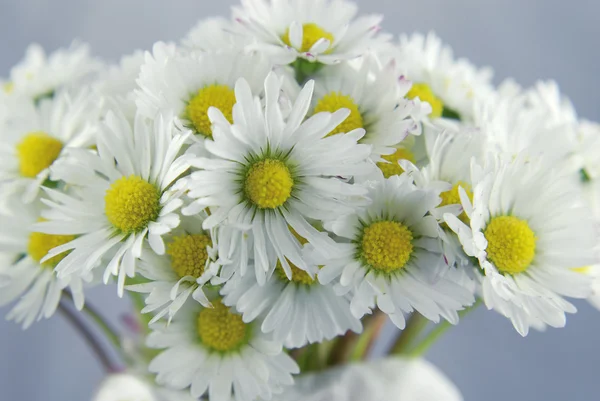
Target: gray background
(484, 356)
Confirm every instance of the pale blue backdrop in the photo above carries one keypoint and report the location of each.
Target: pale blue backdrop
(484, 356)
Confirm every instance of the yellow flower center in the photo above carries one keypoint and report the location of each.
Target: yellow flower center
(269, 183)
(393, 168)
(221, 329)
(423, 92)
(36, 152)
(452, 197)
(220, 96)
(311, 33)
(511, 244)
(8, 87)
(131, 203)
(582, 270)
(40, 244)
(387, 245)
(189, 254)
(334, 101)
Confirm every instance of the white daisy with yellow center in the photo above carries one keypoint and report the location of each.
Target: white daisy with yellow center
(37, 136)
(529, 228)
(212, 351)
(267, 175)
(190, 261)
(375, 100)
(122, 196)
(191, 83)
(452, 87)
(392, 256)
(450, 155)
(26, 277)
(324, 31)
(296, 311)
(40, 75)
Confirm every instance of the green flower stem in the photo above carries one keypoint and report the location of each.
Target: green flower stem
(107, 329)
(413, 329)
(86, 333)
(342, 349)
(369, 336)
(435, 334)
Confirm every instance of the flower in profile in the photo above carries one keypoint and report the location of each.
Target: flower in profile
(529, 229)
(37, 136)
(39, 75)
(268, 175)
(214, 352)
(296, 311)
(324, 31)
(392, 256)
(26, 276)
(120, 196)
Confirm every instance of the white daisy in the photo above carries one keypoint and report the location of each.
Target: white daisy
(587, 148)
(321, 31)
(393, 258)
(528, 228)
(268, 175)
(24, 276)
(212, 351)
(39, 75)
(375, 100)
(119, 82)
(189, 84)
(189, 263)
(515, 125)
(450, 156)
(297, 311)
(35, 137)
(451, 86)
(214, 34)
(121, 196)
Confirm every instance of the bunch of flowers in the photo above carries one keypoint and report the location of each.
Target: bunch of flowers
(273, 187)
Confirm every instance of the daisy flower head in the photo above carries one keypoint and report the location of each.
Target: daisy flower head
(214, 352)
(322, 31)
(529, 229)
(451, 86)
(214, 34)
(40, 75)
(119, 82)
(452, 157)
(37, 136)
(515, 125)
(191, 83)
(25, 275)
(121, 197)
(297, 311)
(392, 256)
(375, 100)
(187, 265)
(268, 176)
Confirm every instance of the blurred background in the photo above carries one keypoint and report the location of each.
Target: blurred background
(484, 356)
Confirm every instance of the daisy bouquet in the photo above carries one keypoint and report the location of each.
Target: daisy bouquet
(273, 188)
